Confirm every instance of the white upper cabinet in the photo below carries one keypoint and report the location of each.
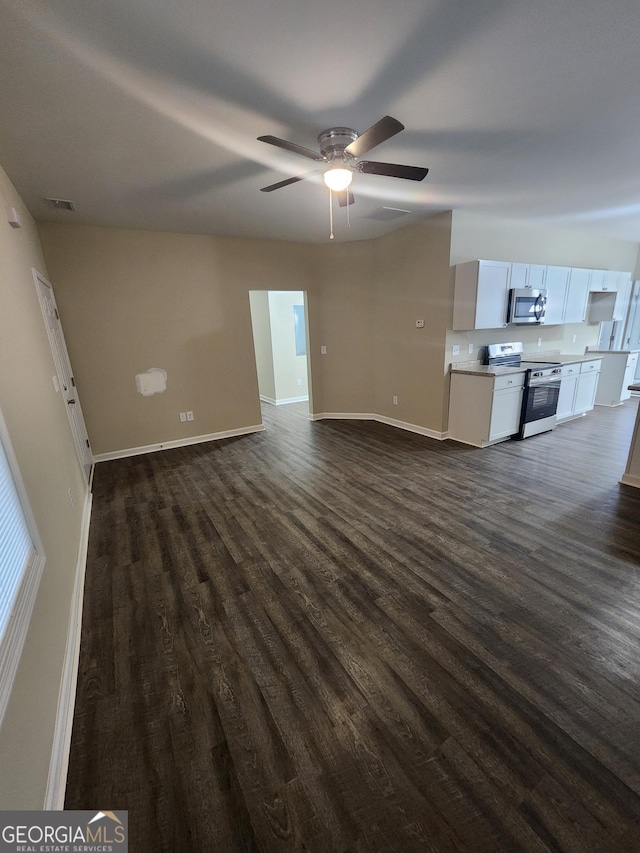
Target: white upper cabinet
(557, 284)
(520, 275)
(606, 280)
(575, 307)
(574, 294)
(537, 276)
(610, 302)
(481, 290)
(528, 275)
(623, 294)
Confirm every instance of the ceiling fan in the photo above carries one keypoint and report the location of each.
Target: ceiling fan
(340, 150)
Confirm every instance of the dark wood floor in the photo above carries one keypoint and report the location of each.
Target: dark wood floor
(337, 636)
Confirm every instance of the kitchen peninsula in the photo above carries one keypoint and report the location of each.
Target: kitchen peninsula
(631, 476)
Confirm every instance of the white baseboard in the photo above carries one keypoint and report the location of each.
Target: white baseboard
(382, 419)
(430, 433)
(179, 442)
(630, 480)
(284, 400)
(59, 764)
(343, 416)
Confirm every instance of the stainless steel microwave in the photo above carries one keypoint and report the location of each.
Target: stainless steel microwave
(526, 305)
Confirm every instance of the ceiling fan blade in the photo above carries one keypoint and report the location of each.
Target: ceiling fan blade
(291, 146)
(285, 183)
(392, 170)
(342, 198)
(375, 135)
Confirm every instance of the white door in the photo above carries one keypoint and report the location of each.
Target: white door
(64, 372)
(632, 332)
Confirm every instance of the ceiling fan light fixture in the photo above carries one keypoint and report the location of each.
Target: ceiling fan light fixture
(338, 178)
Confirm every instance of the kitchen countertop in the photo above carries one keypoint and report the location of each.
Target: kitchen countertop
(614, 351)
(474, 368)
(562, 358)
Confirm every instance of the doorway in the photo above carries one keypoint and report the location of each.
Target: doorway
(632, 331)
(64, 375)
(280, 340)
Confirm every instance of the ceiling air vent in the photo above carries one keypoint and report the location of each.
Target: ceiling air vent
(387, 213)
(61, 204)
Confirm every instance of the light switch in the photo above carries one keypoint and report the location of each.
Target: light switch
(323, 350)
(455, 350)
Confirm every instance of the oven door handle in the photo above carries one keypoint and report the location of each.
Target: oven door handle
(539, 307)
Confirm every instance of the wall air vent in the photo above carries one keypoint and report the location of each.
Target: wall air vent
(387, 213)
(61, 204)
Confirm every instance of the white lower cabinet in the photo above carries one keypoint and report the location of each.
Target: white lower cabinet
(586, 390)
(578, 389)
(618, 370)
(484, 409)
(567, 396)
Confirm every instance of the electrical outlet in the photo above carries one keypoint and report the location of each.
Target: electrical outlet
(299, 381)
(395, 400)
(455, 350)
(183, 417)
(189, 416)
(470, 349)
(323, 350)
(419, 324)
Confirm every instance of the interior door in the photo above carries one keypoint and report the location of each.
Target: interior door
(632, 332)
(64, 372)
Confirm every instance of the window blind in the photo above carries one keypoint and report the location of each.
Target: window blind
(16, 547)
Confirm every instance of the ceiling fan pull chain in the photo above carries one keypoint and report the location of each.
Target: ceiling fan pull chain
(330, 214)
(348, 216)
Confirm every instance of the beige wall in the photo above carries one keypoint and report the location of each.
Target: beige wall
(412, 283)
(131, 300)
(474, 236)
(39, 428)
(341, 318)
(261, 325)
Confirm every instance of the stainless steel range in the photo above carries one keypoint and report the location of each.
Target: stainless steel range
(541, 387)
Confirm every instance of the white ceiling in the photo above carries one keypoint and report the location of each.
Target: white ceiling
(145, 113)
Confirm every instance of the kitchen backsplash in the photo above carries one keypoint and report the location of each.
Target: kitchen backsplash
(572, 338)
